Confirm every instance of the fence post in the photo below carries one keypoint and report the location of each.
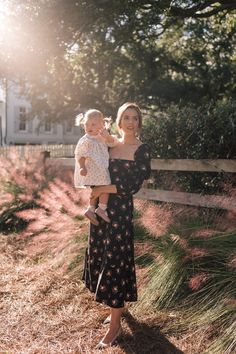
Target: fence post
(44, 156)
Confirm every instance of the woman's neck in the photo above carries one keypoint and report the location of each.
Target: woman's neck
(129, 140)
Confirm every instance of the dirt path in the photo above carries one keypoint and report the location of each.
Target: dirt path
(45, 310)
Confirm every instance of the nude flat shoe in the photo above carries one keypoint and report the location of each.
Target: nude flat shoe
(102, 345)
(92, 217)
(107, 320)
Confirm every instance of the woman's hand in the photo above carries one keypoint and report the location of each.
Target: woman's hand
(98, 190)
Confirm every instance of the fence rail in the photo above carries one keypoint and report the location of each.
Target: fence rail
(204, 165)
(27, 150)
(209, 201)
(63, 155)
(220, 165)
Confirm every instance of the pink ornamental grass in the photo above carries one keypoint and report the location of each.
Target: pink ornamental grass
(155, 218)
(21, 177)
(197, 281)
(57, 220)
(46, 206)
(232, 262)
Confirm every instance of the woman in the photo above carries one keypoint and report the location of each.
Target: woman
(109, 264)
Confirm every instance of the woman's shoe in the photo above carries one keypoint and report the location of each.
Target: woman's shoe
(102, 345)
(107, 320)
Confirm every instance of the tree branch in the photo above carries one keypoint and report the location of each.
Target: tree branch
(196, 11)
(216, 10)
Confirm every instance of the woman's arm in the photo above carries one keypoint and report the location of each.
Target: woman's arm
(98, 190)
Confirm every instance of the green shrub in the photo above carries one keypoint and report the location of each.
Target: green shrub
(206, 132)
(21, 179)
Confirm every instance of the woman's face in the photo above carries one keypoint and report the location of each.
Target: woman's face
(93, 125)
(129, 123)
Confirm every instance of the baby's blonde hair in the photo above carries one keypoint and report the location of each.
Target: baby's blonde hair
(93, 113)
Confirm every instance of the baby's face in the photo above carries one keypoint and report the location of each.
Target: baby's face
(93, 125)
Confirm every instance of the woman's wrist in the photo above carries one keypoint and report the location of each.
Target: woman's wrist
(110, 188)
(101, 189)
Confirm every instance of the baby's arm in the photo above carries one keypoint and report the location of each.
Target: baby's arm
(110, 140)
(82, 169)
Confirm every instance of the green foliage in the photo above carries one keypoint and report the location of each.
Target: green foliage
(144, 260)
(207, 131)
(9, 222)
(20, 182)
(186, 132)
(100, 54)
(77, 262)
(79, 217)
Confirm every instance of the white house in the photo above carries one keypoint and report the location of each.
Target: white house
(17, 129)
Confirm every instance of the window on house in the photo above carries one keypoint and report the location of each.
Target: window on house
(48, 127)
(22, 119)
(69, 127)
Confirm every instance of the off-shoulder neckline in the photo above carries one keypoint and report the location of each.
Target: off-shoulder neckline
(128, 159)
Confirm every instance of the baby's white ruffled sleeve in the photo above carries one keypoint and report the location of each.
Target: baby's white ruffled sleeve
(82, 149)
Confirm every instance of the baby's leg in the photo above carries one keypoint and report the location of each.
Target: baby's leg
(90, 212)
(102, 207)
(92, 204)
(103, 199)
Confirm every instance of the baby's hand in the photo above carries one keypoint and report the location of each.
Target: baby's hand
(104, 133)
(83, 171)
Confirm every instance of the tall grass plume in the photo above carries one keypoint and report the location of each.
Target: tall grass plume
(196, 277)
(39, 203)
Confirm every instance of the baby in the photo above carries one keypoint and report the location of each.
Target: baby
(92, 159)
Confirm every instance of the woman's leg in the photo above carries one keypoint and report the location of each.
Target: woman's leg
(115, 325)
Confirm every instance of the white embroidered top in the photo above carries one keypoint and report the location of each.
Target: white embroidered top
(95, 151)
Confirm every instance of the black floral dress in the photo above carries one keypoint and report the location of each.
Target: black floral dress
(109, 269)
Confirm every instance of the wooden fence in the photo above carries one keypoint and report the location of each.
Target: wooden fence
(63, 154)
(29, 150)
(195, 199)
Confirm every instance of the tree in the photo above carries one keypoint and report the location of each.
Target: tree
(201, 9)
(100, 53)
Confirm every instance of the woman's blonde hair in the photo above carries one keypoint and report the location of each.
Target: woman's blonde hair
(122, 110)
(92, 113)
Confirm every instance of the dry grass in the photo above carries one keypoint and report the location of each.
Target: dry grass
(46, 309)
(43, 309)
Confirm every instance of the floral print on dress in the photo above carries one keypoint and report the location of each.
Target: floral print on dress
(111, 274)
